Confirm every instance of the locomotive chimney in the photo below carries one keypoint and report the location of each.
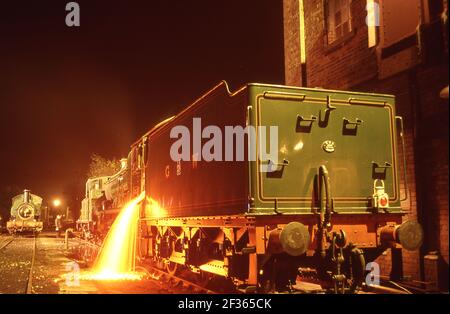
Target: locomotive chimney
(123, 163)
(26, 196)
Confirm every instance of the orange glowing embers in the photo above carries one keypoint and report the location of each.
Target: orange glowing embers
(116, 259)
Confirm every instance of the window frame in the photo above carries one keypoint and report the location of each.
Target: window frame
(327, 24)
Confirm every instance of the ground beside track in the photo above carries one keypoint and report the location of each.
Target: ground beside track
(15, 262)
(51, 266)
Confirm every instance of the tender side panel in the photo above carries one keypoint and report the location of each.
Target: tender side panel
(352, 135)
(195, 188)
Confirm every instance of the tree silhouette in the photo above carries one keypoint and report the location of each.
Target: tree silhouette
(101, 166)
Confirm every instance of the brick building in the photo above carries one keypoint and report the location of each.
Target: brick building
(391, 47)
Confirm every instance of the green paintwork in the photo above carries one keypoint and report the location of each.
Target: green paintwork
(17, 200)
(350, 165)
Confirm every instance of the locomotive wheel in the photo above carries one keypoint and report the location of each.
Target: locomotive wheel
(172, 268)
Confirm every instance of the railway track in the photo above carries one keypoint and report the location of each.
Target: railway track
(6, 241)
(19, 253)
(29, 289)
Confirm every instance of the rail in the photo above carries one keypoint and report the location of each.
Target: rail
(29, 289)
(6, 242)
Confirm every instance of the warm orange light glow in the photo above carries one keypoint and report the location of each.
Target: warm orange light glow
(117, 255)
(153, 209)
(56, 202)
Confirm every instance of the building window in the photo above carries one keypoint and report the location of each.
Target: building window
(338, 19)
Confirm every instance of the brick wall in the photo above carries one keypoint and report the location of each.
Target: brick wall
(399, 86)
(433, 153)
(292, 68)
(351, 65)
(339, 65)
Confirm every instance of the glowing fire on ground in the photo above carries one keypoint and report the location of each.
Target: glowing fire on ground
(117, 255)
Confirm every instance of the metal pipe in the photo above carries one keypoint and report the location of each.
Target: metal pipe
(405, 172)
(324, 181)
(325, 212)
(386, 290)
(66, 237)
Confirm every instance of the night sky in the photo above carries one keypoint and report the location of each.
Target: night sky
(66, 93)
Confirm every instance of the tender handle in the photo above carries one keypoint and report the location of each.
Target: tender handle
(301, 119)
(284, 163)
(355, 123)
(380, 165)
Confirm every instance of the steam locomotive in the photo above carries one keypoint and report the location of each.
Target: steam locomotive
(104, 197)
(322, 204)
(25, 214)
